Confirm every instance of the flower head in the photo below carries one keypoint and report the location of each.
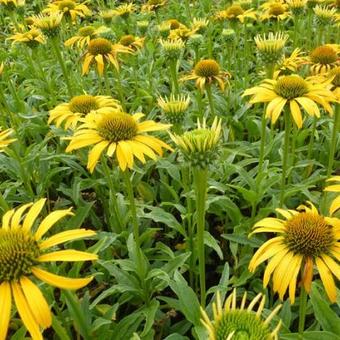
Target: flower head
(172, 48)
(275, 10)
(174, 108)
(102, 52)
(207, 72)
(132, 42)
(322, 59)
(84, 35)
(291, 91)
(232, 322)
(124, 10)
(31, 38)
(297, 7)
(153, 5)
(5, 140)
(199, 146)
(49, 24)
(68, 8)
(118, 132)
(324, 15)
(270, 47)
(23, 252)
(70, 114)
(11, 5)
(235, 13)
(305, 238)
(289, 64)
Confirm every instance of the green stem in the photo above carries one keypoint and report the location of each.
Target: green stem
(311, 146)
(262, 142)
(285, 157)
(120, 88)
(334, 139)
(200, 184)
(107, 83)
(129, 189)
(302, 310)
(55, 45)
(173, 72)
(210, 99)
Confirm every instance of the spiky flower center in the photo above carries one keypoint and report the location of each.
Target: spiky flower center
(99, 46)
(207, 68)
(323, 55)
(66, 5)
(117, 126)
(18, 254)
(86, 31)
(83, 104)
(290, 87)
(309, 234)
(244, 324)
(154, 2)
(174, 24)
(276, 9)
(235, 10)
(127, 40)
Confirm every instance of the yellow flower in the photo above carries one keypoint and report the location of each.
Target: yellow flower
(199, 25)
(84, 35)
(323, 58)
(174, 108)
(103, 52)
(32, 38)
(275, 10)
(305, 238)
(235, 13)
(290, 63)
(71, 113)
(68, 8)
(49, 24)
(120, 133)
(124, 10)
(12, 4)
(207, 72)
(153, 5)
(297, 7)
(335, 205)
(132, 42)
(232, 322)
(324, 15)
(23, 251)
(4, 140)
(294, 91)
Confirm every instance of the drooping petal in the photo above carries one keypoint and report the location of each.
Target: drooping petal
(67, 255)
(95, 154)
(327, 279)
(5, 308)
(33, 214)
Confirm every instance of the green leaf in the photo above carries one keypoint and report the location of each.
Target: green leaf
(328, 319)
(211, 242)
(314, 335)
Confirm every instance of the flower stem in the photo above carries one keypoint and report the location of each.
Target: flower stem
(302, 310)
(129, 189)
(210, 99)
(311, 147)
(200, 184)
(334, 139)
(263, 140)
(173, 71)
(62, 65)
(285, 157)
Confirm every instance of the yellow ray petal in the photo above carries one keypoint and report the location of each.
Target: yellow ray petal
(335, 205)
(60, 281)
(284, 213)
(296, 113)
(37, 302)
(122, 162)
(127, 151)
(6, 218)
(66, 236)
(25, 312)
(332, 265)
(5, 308)
(50, 220)
(95, 154)
(16, 219)
(272, 264)
(327, 279)
(67, 255)
(33, 214)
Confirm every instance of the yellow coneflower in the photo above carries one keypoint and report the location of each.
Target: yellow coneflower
(124, 10)
(102, 52)
(174, 108)
(290, 64)
(69, 8)
(297, 7)
(32, 38)
(85, 34)
(334, 75)
(172, 47)
(132, 42)
(270, 47)
(235, 13)
(71, 113)
(199, 25)
(323, 58)
(49, 24)
(199, 146)
(232, 322)
(12, 4)
(207, 72)
(275, 10)
(153, 5)
(305, 238)
(107, 15)
(4, 138)
(23, 252)
(325, 16)
(335, 205)
(120, 133)
(294, 91)
(183, 33)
